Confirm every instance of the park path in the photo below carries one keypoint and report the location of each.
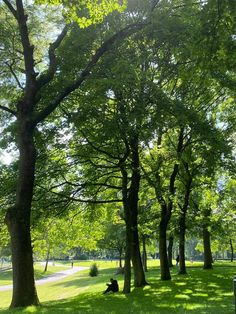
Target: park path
(53, 277)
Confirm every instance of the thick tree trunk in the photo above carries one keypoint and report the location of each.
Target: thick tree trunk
(128, 232)
(130, 203)
(231, 251)
(207, 248)
(170, 250)
(18, 222)
(128, 247)
(139, 276)
(165, 271)
(144, 255)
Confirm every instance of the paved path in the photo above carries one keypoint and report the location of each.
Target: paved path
(53, 277)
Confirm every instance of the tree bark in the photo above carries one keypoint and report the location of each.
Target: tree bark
(144, 255)
(231, 251)
(128, 248)
(128, 232)
(18, 222)
(166, 210)
(169, 250)
(47, 260)
(120, 251)
(182, 220)
(207, 248)
(182, 228)
(139, 276)
(165, 271)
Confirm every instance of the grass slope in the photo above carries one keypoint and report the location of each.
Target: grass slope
(6, 276)
(201, 291)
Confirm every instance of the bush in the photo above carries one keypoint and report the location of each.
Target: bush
(93, 270)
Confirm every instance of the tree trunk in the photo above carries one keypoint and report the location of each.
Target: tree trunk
(128, 231)
(166, 210)
(182, 219)
(127, 272)
(47, 259)
(182, 228)
(231, 251)
(18, 222)
(144, 255)
(120, 258)
(207, 248)
(165, 271)
(139, 276)
(169, 250)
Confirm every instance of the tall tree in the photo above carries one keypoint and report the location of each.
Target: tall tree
(29, 109)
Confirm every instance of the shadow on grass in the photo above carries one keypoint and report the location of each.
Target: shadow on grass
(198, 292)
(84, 279)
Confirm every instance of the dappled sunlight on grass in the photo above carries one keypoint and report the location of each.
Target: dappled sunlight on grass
(198, 292)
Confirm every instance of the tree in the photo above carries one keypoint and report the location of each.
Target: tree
(30, 108)
(58, 236)
(114, 240)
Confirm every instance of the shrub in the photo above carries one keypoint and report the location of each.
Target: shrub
(93, 270)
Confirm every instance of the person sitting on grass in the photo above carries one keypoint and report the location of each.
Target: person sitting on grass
(113, 286)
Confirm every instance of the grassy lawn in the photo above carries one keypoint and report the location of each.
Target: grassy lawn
(6, 276)
(201, 291)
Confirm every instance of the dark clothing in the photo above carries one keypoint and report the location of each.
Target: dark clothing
(113, 286)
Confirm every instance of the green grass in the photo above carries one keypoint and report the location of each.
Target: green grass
(6, 276)
(201, 291)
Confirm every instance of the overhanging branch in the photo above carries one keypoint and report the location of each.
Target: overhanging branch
(8, 110)
(48, 76)
(11, 8)
(125, 32)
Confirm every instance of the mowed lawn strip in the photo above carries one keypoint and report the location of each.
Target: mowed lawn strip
(201, 291)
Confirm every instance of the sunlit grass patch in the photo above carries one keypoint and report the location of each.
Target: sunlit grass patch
(198, 292)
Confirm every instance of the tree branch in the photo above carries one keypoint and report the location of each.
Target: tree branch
(48, 76)
(11, 8)
(14, 74)
(8, 110)
(28, 52)
(125, 32)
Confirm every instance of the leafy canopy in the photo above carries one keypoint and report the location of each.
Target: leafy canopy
(87, 12)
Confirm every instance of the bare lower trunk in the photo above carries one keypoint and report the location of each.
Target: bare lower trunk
(165, 271)
(182, 220)
(231, 251)
(128, 233)
(139, 276)
(144, 255)
(18, 221)
(207, 249)
(182, 266)
(170, 250)
(47, 260)
(127, 271)
(120, 261)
